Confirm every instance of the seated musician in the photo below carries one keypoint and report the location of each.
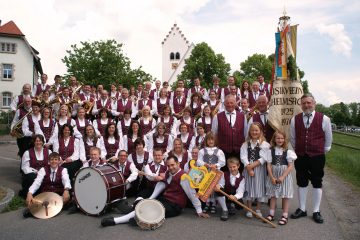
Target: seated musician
(50, 178)
(186, 136)
(110, 143)
(187, 118)
(180, 152)
(118, 108)
(196, 105)
(28, 125)
(170, 121)
(46, 125)
(128, 170)
(103, 102)
(199, 140)
(173, 199)
(101, 123)
(32, 161)
(147, 122)
(124, 124)
(161, 139)
(68, 148)
(95, 160)
(207, 118)
(88, 141)
(146, 101)
(135, 132)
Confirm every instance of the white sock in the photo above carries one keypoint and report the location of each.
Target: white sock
(222, 202)
(124, 219)
(302, 192)
(317, 192)
(213, 201)
(138, 199)
(232, 204)
(159, 187)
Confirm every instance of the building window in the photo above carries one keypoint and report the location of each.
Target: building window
(13, 47)
(8, 47)
(177, 55)
(3, 47)
(7, 72)
(6, 99)
(172, 56)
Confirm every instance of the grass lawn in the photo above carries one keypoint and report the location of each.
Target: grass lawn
(345, 161)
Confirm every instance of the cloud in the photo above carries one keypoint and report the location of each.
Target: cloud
(342, 43)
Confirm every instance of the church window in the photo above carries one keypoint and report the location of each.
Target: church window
(172, 56)
(177, 55)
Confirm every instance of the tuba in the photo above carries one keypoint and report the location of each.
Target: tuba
(17, 129)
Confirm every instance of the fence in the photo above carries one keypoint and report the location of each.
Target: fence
(5, 119)
(347, 134)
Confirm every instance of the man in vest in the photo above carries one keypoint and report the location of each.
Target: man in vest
(180, 84)
(230, 127)
(155, 93)
(226, 91)
(204, 96)
(139, 91)
(58, 87)
(146, 101)
(174, 197)
(19, 99)
(72, 86)
(311, 137)
(124, 102)
(103, 102)
(178, 103)
(100, 88)
(38, 89)
(263, 86)
(216, 88)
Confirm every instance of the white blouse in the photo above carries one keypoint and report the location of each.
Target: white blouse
(111, 140)
(25, 125)
(160, 140)
(124, 143)
(25, 165)
(103, 122)
(290, 157)
(220, 155)
(119, 125)
(76, 154)
(264, 148)
(173, 131)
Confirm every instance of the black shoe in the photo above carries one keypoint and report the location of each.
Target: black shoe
(254, 203)
(132, 222)
(27, 213)
(317, 217)
(298, 214)
(124, 208)
(73, 209)
(232, 210)
(108, 222)
(224, 215)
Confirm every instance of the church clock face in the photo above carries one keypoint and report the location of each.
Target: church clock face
(174, 65)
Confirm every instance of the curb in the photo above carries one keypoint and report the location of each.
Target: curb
(4, 203)
(7, 142)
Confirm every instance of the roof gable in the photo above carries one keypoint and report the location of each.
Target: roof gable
(175, 29)
(10, 28)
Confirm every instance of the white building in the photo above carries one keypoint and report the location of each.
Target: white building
(175, 49)
(19, 63)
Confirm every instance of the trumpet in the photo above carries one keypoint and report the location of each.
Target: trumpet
(77, 89)
(76, 100)
(89, 106)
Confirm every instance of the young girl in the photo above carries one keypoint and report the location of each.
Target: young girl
(134, 133)
(160, 139)
(101, 123)
(279, 181)
(123, 125)
(170, 122)
(196, 104)
(186, 136)
(199, 141)
(147, 122)
(161, 102)
(209, 156)
(187, 119)
(253, 154)
(207, 118)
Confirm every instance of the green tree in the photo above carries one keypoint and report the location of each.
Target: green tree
(354, 109)
(256, 64)
(339, 118)
(322, 109)
(204, 63)
(102, 62)
(334, 109)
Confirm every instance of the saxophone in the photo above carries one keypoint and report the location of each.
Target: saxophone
(182, 111)
(89, 106)
(17, 129)
(213, 113)
(198, 115)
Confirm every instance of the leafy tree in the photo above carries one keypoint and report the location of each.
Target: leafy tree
(254, 65)
(334, 109)
(204, 63)
(322, 109)
(354, 109)
(102, 62)
(339, 118)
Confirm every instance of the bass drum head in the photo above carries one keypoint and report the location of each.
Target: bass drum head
(90, 191)
(149, 211)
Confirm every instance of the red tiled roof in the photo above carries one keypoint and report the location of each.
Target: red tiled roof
(10, 28)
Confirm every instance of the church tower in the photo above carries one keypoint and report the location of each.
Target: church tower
(174, 48)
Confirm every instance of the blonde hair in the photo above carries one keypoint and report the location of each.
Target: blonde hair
(212, 135)
(261, 137)
(160, 124)
(182, 146)
(163, 90)
(68, 115)
(95, 149)
(150, 116)
(273, 142)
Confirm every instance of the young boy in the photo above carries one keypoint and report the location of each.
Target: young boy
(95, 154)
(232, 183)
(51, 178)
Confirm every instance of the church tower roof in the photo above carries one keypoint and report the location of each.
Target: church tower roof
(176, 29)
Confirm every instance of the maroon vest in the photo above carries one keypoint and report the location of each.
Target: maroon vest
(252, 101)
(87, 147)
(117, 95)
(173, 191)
(120, 106)
(131, 147)
(152, 94)
(34, 163)
(231, 138)
(160, 107)
(197, 142)
(179, 107)
(21, 99)
(39, 89)
(196, 110)
(60, 89)
(309, 141)
(162, 169)
(47, 185)
(219, 91)
(91, 163)
(188, 141)
(228, 188)
(227, 91)
(79, 128)
(125, 129)
(46, 130)
(265, 90)
(146, 127)
(168, 125)
(101, 127)
(63, 101)
(23, 112)
(66, 152)
(59, 126)
(141, 104)
(163, 145)
(139, 165)
(126, 173)
(31, 124)
(213, 107)
(111, 148)
(208, 126)
(191, 124)
(100, 106)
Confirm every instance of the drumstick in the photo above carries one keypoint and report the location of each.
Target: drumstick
(145, 174)
(250, 210)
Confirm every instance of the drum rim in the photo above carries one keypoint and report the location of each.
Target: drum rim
(150, 224)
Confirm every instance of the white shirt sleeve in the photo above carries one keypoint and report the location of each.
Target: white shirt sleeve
(264, 148)
(200, 162)
(214, 126)
(291, 155)
(292, 133)
(38, 181)
(119, 128)
(25, 165)
(14, 103)
(76, 155)
(25, 128)
(100, 144)
(240, 190)
(16, 119)
(154, 107)
(134, 110)
(221, 159)
(65, 179)
(221, 181)
(134, 173)
(82, 151)
(326, 126)
(190, 192)
(244, 154)
(114, 111)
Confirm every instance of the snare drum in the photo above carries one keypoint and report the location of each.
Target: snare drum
(97, 189)
(149, 214)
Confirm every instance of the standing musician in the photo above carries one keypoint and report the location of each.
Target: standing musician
(155, 93)
(100, 88)
(45, 125)
(113, 92)
(124, 124)
(72, 86)
(216, 88)
(81, 123)
(201, 90)
(187, 119)
(161, 139)
(161, 102)
(245, 108)
(95, 160)
(226, 91)
(206, 119)
(19, 99)
(123, 103)
(180, 152)
(132, 95)
(148, 87)
(120, 87)
(146, 101)
(213, 102)
(38, 89)
(46, 97)
(103, 102)
(180, 84)
(237, 98)
(185, 136)
(171, 122)
(195, 104)
(254, 94)
(58, 87)
(32, 161)
(200, 139)
(134, 133)
(174, 197)
(110, 143)
(147, 122)
(28, 125)
(245, 89)
(262, 117)
(88, 141)
(93, 88)
(166, 86)
(263, 86)
(101, 123)
(139, 91)
(178, 103)
(230, 127)
(64, 98)
(87, 98)
(68, 148)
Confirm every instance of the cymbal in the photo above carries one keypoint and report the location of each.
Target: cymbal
(46, 205)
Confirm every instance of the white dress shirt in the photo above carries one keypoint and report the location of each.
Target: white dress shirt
(156, 94)
(184, 139)
(76, 154)
(39, 131)
(263, 85)
(160, 140)
(179, 100)
(34, 92)
(25, 125)
(119, 126)
(114, 111)
(220, 155)
(111, 140)
(240, 190)
(205, 96)
(14, 103)
(262, 116)
(326, 127)
(103, 102)
(102, 122)
(17, 117)
(223, 93)
(148, 171)
(133, 175)
(25, 161)
(264, 148)
(145, 101)
(173, 131)
(214, 126)
(40, 177)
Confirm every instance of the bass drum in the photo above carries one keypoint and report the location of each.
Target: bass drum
(149, 214)
(97, 189)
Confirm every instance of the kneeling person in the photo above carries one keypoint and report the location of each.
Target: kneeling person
(95, 155)
(129, 171)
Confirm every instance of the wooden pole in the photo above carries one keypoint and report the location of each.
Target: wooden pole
(348, 134)
(250, 210)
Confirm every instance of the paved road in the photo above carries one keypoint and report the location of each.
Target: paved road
(187, 225)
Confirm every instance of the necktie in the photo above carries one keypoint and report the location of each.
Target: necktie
(179, 100)
(53, 177)
(255, 96)
(264, 115)
(230, 119)
(261, 87)
(308, 121)
(122, 169)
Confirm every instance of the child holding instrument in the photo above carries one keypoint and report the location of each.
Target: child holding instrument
(279, 181)
(210, 156)
(231, 182)
(253, 154)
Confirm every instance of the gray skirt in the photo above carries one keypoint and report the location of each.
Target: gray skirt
(284, 189)
(255, 186)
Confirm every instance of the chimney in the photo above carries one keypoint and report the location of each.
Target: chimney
(0, 22)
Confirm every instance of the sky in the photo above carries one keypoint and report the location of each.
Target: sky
(328, 47)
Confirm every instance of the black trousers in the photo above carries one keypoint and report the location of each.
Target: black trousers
(146, 193)
(171, 209)
(310, 169)
(229, 155)
(237, 206)
(26, 182)
(72, 168)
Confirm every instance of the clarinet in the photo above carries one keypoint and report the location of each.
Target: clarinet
(142, 170)
(200, 143)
